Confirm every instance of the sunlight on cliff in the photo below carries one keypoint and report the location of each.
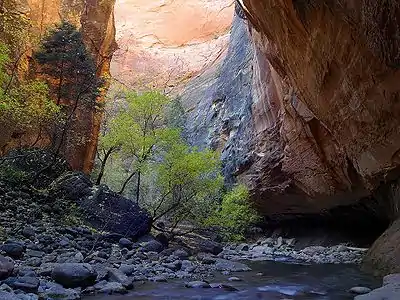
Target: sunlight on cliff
(164, 42)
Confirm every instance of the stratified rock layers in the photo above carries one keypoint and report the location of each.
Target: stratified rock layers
(318, 102)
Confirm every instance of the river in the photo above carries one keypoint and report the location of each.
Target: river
(279, 280)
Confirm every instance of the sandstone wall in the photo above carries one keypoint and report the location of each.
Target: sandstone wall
(96, 21)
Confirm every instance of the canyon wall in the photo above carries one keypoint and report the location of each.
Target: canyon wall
(319, 106)
(95, 19)
(314, 128)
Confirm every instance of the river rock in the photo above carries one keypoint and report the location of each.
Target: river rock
(13, 249)
(125, 243)
(152, 246)
(8, 296)
(6, 267)
(391, 278)
(209, 246)
(110, 288)
(26, 283)
(72, 275)
(387, 292)
(360, 290)
(51, 290)
(231, 266)
(116, 275)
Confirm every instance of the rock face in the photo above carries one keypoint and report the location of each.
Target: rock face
(315, 118)
(384, 256)
(96, 21)
(162, 42)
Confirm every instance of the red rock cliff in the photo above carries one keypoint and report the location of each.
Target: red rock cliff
(96, 21)
(331, 133)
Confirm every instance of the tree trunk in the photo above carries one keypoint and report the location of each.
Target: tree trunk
(126, 182)
(103, 165)
(138, 188)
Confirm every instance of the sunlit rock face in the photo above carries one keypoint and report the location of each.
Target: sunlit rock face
(163, 42)
(95, 19)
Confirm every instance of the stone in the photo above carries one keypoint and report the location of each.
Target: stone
(26, 283)
(51, 290)
(387, 292)
(159, 278)
(125, 243)
(28, 232)
(72, 275)
(127, 269)
(383, 257)
(187, 266)
(279, 242)
(231, 266)
(116, 275)
(391, 278)
(110, 288)
(163, 239)
(242, 247)
(209, 246)
(152, 246)
(234, 279)
(14, 250)
(181, 254)
(104, 209)
(6, 267)
(197, 284)
(8, 296)
(360, 290)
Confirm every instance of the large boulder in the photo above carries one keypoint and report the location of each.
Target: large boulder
(6, 267)
(103, 208)
(72, 275)
(384, 256)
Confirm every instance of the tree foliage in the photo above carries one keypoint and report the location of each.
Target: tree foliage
(67, 66)
(25, 104)
(235, 215)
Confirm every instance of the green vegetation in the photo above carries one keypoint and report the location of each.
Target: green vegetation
(24, 104)
(235, 215)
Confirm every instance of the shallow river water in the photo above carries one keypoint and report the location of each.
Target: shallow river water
(279, 281)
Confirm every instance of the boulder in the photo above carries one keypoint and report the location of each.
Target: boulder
(387, 292)
(8, 296)
(383, 257)
(360, 290)
(152, 246)
(104, 209)
(27, 284)
(110, 288)
(13, 249)
(231, 266)
(125, 243)
(6, 267)
(51, 290)
(209, 246)
(72, 275)
(391, 278)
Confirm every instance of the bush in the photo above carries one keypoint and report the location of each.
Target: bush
(235, 214)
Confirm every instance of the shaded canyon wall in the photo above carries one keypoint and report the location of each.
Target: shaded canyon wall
(314, 123)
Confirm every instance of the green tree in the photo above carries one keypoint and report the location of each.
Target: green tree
(25, 104)
(189, 184)
(235, 214)
(72, 76)
(138, 131)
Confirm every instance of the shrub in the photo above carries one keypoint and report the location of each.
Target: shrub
(235, 215)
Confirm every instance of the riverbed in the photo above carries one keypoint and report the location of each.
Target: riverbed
(268, 280)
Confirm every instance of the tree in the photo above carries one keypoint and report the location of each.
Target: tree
(235, 214)
(71, 72)
(189, 182)
(24, 105)
(138, 131)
